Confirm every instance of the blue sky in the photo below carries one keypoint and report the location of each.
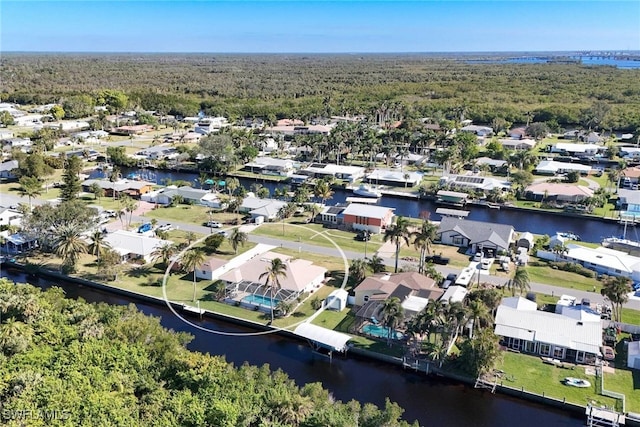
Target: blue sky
(318, 26)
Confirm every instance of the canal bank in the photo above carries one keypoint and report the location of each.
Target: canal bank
(359, 354)
(590, 229)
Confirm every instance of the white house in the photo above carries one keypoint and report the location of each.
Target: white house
(524, 328)
(551, 167)
(214, 267)
(266, 208)
(394, 177)
(189, 194)
(10, 217)
(573, 148)
(210, 124)
(270, 166)
(345, 173)
(476, 234)
(601, 260)
(131, 245)
(518, 144)
(476, 182)
(478, 130)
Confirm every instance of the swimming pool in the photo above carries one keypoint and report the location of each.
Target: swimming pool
(380, 331)
(260, 300)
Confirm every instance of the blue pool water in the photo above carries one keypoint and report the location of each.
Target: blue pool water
(380, 331)
(259, 299)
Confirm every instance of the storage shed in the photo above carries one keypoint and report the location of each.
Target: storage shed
(525, 241)
(337, 300)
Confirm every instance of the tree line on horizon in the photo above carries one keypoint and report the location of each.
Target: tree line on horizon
(307, 87)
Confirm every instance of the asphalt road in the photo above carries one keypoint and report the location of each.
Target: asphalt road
(596, 298)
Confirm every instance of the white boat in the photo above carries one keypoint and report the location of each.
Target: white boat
(577, 382)
(568, 235)
(367, 191)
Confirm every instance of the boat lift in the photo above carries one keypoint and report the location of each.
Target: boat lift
(320, 338)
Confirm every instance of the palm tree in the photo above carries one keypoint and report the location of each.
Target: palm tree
(616, 290)
(190, 236)
(479, 313)
(520, 281)
(164, 252)
(98, 244)
(422, 240)
(397, 233)
(190, 261)
(274, 272)
(376, 264)
(30, 187)
(68, 244)
(323, 191)
(237, 238)
(392, 315)
(358, 269)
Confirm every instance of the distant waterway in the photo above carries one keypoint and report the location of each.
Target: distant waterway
(429, 401)
(590, 230)
(618, 62)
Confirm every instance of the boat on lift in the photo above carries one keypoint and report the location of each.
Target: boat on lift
(367, 191)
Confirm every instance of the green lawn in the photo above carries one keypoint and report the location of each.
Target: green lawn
(528, 372)
(190, 214)
(565, 279)
(627, 382)
(313, 234)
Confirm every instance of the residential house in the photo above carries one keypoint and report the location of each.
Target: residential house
(348, 174)
(476, 235)
(478, 130)
(331, 215)
(395, 178)
(266, 208)
(475, 182)
(19, 242)
(6, 134)
(133, 246)
(214, 267)
(493, 164)
(518, 144)
(132, 130)
(367, 217)
(270, 166)
(9, 216)
(633, 175)
(551, 167)
(207, 125)
(601, 260)
(522, 327)
(8, 169)
(517, 133)
(302, 276)
(557, 192)
(414, 291)
(23, 144)
(573, 149)
(189, 195)
(158, 152)
(133, 188)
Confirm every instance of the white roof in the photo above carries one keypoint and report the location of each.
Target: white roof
(127, 242)
(608, 258)
(270, 161)
(414, 303)
(394, 175)
(518, 142)
(331, 168)
(454, 294)
(552, 166)
(520, 303)
(326, 337)
(549, 328)
(366, 211)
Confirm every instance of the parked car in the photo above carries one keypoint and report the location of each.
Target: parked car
(165, 227)
(363, 236)
(223, 233)
(145, 227)
(477, 257)
(437, 259)
(486, 263)
(213, 224)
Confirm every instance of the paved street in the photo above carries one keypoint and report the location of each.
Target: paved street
(385, 253)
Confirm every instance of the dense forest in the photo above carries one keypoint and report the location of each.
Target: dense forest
(307, 86)
(66, 362)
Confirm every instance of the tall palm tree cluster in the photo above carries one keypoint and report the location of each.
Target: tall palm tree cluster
(422, 238)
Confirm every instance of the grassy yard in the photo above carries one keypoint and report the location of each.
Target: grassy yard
(565, 279)
(190, 214)
(313, 234)
(456, 258)
(528, 372)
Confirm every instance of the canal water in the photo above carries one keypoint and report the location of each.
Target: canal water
(431, 402)
(589, 230)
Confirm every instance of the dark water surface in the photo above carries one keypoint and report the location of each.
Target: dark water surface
(430, 402)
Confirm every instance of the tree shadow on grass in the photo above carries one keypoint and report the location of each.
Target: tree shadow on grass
(140, 271)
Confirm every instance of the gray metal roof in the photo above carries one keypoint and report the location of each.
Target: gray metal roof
(477, 231)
